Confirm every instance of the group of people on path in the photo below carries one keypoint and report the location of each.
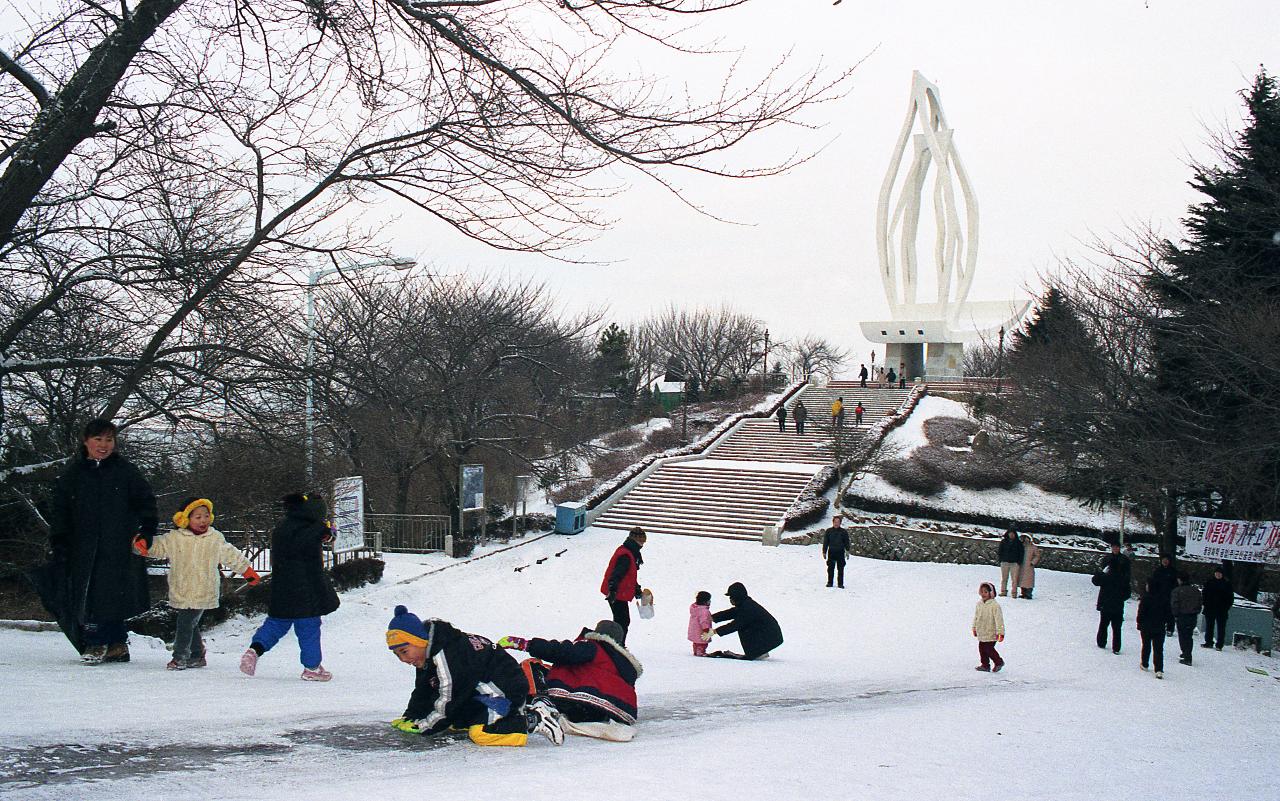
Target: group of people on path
(800, 413)
(1018, 555)
(1169, 602)
(891, 378)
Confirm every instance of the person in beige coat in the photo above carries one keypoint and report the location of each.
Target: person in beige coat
(195, 549)
(1027, 571)
(988, 627)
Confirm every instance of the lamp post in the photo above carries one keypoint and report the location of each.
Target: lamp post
(1000, 362)
(313, 280)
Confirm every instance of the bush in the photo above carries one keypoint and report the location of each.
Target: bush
(572, 491)
(953, 431)
(913, 476)
(608, 465)
(969, 470)
(1048, 475)
(664, 438)
(623, 438)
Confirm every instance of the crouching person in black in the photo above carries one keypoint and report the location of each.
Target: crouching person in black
(591, 681)
(758, 631)
(464, 681)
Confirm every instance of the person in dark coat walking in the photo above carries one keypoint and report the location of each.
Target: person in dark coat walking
(782, 419)
(1011, 552)
(621, 583)
(758, 631)
(892, 377)
(1112, 580)
(466, 681)
(1164, 578)
(1154, 615)
(835, 547)
(300, 590)
(100, 505)
(591, 681)
(800, 413)
(1218, 600)
(1185, 601)
(862, 376)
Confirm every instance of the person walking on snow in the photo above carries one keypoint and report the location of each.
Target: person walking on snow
(194, 549)
(800, 413)
(1154, 615)
(837, 413)
(782, 419)
(1027, 570)
(1218, 599)
(988, 627)
(1185, 602)
(835, 547)
(621, 583)
(592, 680)
(1163, 579)
(466, 681)
(1112, 581)
(700, 622)
(1011, 553)
(100, 505)
(300, 590)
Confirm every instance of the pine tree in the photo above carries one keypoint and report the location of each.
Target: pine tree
(613, 363)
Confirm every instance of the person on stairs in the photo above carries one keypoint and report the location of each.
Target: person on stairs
(800, 413)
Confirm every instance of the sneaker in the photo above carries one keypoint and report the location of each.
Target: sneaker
(117, 652)
(543, 718)
(998, 668)
(1143, 667)
(176, 664)
(983, 668)
(1159, 674)
(198, 662)
(1217, 647)
(1115, 651)
(1206, 645)
(1182, 660)
(249, 662)
(94, 654)
(318, 673)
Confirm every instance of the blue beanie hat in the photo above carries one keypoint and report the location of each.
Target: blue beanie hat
(406, 629)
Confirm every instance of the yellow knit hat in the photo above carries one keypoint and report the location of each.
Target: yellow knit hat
(183, 515)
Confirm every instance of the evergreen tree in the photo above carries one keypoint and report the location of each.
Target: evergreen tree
(1215, 339)
(614, 369)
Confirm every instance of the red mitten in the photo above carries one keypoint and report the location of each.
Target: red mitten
(251, 576)
(140, 546)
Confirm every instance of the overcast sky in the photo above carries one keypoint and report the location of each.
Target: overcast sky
(1073, 119)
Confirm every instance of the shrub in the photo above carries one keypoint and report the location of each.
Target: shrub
(913, 476)
(1048, 475)
(664, 438)
(608, 465)
(953, 431)
(623, 438)
(572, 491)
(969, 470)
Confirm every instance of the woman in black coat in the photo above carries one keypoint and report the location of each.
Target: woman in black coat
(757, 629)
(100, 504)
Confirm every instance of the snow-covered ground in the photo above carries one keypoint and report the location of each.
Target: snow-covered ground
(873, 696)
(1025, 501)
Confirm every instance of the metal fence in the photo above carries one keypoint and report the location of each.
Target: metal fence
(407, 533)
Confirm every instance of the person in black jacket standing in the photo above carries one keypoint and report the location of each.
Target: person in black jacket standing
(300, 590)
(1154, 614)
(1185, 601)
(758, 631)
(800, 413)
(100, 505)
(1163, 579)
(835, 546)
(1011, 553)
(1218, 600)
(1112, 580)
(782, 419)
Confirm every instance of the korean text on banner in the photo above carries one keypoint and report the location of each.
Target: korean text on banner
(1237, 540)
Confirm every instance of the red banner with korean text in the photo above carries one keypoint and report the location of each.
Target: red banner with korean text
(1237, 540)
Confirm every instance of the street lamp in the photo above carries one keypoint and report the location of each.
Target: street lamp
(312, 281)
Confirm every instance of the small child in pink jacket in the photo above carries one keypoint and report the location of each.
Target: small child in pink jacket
(700, 623)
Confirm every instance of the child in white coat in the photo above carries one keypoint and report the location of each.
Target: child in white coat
(988, 627)
(194, 549)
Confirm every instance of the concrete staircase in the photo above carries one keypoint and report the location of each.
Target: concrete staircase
(751, 477)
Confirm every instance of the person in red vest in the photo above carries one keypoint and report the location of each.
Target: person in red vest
(591, 681)
(621, 582)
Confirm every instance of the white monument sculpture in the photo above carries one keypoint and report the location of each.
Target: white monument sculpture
(927, 338)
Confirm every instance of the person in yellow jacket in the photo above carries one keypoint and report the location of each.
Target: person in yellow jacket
(988, 627)
(194, 549)
(837, 413)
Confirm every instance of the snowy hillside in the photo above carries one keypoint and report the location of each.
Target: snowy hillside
(873, 696)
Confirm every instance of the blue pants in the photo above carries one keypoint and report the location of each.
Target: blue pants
(306, 628)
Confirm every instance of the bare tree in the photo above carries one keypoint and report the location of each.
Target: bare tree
(712, 346)
(165, 157)
(812, 354)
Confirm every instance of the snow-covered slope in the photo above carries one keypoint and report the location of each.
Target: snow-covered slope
(873, 696)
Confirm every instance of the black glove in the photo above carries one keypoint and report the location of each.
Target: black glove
(612, 597)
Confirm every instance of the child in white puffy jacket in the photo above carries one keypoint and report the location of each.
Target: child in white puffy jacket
(988, 627)
(195, 549)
